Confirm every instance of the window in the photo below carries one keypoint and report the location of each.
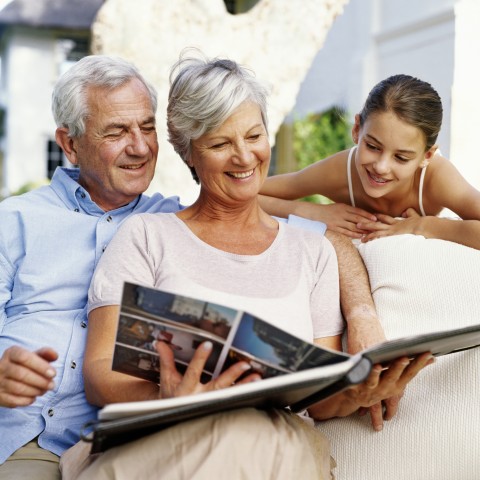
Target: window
(69, 51)
(55, 158)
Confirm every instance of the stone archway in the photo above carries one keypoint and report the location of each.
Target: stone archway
(278, 39)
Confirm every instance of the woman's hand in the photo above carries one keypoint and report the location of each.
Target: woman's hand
(173, 384)
(382, 390)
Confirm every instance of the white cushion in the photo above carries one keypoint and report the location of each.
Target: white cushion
(420, 285)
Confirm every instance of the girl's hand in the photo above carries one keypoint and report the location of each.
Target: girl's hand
(385, 226)
(173, 384)
(339, 217)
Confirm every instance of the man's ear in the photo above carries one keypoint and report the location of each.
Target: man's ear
(67, 144)
(356, 129)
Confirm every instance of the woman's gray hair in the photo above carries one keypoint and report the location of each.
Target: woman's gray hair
(203, 94)
(69, 98)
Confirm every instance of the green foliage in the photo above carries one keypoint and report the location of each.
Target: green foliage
(318, 136)
(30, 186)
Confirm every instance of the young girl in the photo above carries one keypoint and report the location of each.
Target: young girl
(394, 180)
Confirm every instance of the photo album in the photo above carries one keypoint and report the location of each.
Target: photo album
(295, 373)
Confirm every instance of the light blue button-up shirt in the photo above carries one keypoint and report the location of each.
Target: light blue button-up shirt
(50, 242)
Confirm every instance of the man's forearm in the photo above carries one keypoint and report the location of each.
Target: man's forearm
(364, 328)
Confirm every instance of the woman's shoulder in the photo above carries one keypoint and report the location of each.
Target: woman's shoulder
(308, 246)
(147, 222)
(149, 218)
(304, 233)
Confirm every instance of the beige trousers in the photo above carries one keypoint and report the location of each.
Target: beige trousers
(239, 444)
(31, 463)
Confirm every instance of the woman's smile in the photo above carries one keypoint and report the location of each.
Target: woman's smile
(241, 175)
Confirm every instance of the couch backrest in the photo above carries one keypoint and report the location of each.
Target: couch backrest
(420, 285)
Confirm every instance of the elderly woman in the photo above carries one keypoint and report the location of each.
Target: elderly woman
(224, 249)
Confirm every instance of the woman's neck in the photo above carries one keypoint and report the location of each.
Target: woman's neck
(242, 228)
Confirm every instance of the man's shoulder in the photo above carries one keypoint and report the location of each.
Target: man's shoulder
(26, 200)
(157, 203)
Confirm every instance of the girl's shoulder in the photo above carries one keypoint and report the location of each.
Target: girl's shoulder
(439, 171)
(333, 176)
(341, 157)
(445, 186)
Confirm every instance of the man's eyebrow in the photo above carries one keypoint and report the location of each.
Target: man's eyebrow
(115, 125)
(151, 119)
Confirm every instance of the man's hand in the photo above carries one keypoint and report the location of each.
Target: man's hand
(384, 410)
(363, 326)
(362, 335)
(381, 392)
(25, 375)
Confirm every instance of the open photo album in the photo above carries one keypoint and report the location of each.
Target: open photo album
(295, 373)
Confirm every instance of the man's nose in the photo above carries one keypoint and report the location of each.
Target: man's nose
(137, 145)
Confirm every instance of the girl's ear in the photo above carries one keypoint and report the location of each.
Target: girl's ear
(356, 129)
(429, 155)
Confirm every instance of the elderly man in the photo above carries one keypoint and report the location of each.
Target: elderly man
(51, 240)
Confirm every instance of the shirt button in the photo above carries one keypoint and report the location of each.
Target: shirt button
(73, 364)
(83, 324)
(77, 210)
(104, 248)
(83, 195)
(50, 412)
(109, 219)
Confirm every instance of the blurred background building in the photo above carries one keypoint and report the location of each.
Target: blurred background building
(38, 41)
(435, 40)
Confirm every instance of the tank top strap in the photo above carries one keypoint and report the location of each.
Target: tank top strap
(349, 175)
(420, 191)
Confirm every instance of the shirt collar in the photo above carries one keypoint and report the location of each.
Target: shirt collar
(65, 184)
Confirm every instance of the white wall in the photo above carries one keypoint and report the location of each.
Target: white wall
(334, 76)
(422, 46)
(30, 69)
(466, 91)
